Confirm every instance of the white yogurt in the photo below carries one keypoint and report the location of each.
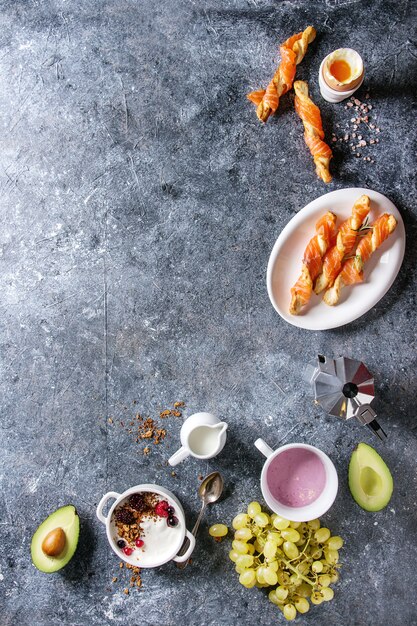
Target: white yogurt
(159, 539)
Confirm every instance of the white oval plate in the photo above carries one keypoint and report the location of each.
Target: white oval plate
(380, 272)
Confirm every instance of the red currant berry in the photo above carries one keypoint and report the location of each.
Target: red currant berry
(139, 543)
(128, 550)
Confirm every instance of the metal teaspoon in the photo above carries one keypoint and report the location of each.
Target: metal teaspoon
(209, 492)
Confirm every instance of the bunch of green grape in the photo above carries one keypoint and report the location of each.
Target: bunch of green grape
(299, 559)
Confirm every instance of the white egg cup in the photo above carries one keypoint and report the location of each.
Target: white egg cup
(332, 95)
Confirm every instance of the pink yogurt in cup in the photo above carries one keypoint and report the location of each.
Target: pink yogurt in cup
(296, 477)
(298, 481)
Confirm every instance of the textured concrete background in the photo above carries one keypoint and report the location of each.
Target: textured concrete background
(140, 199)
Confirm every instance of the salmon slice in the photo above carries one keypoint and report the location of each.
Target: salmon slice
(345, 243)
(292, 52)
(352, 269)
(312, 262)
(256, 96)
(313, 130)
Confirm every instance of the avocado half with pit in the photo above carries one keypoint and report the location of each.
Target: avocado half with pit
(370, 480)
(55, 541)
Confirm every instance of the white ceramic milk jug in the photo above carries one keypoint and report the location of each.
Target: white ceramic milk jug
(203, 436)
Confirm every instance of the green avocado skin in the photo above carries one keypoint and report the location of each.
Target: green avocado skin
(66, 518)
(370, 480)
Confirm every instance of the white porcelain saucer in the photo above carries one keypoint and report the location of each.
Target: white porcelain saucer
(380, 272)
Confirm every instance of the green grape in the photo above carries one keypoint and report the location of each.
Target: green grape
(280, 523)
(251, 548)
(325, 580)
(327, 593)
(295, 580)
(317, 567)
(290, 534)
(270, 576)
(261, 519)
(295, 524)
(281, 593)
(314, 524)
(273, 516)
(240, 569)
(259, 544)
(334, 577)
(260, 574)
(247, 578)
(322, 535)
(218, 530)
(317, 597)
(301, 541)
(335, 543)
(274, 599)
(243, 534)
(274, 565)
(304, 590)
(290, 612)
(233, 555)
(326, 567)
(316, 554)
(303, 567)
(275, 537)
(240, 521)
(253, 509)
(240, 547)
(270, 549)
(244, 560)
(301, 604)
(331, 556)
(290, 549)
(283, 578)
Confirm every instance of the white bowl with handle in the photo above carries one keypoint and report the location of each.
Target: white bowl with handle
(168, 553)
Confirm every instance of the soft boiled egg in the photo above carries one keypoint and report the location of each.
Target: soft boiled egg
(343, 69)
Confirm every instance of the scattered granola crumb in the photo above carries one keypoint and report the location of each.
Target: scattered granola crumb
(126, 591)
(178, 404)
(176, 413)
(114, 579)
(110, 420)
(173, 474)
(165, 413)
(200, 477)
(121, 564)
(146, 450)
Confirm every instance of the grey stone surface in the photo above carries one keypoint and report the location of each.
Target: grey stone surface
(140, 201)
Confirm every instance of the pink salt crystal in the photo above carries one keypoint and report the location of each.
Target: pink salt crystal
(349, 104)
(357, 102)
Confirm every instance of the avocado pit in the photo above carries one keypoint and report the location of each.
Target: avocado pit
(54, 542)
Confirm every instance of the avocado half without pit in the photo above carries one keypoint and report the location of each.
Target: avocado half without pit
(55, 541)
(370, 480)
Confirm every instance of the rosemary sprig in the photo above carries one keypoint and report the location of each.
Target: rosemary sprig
(364, 226)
